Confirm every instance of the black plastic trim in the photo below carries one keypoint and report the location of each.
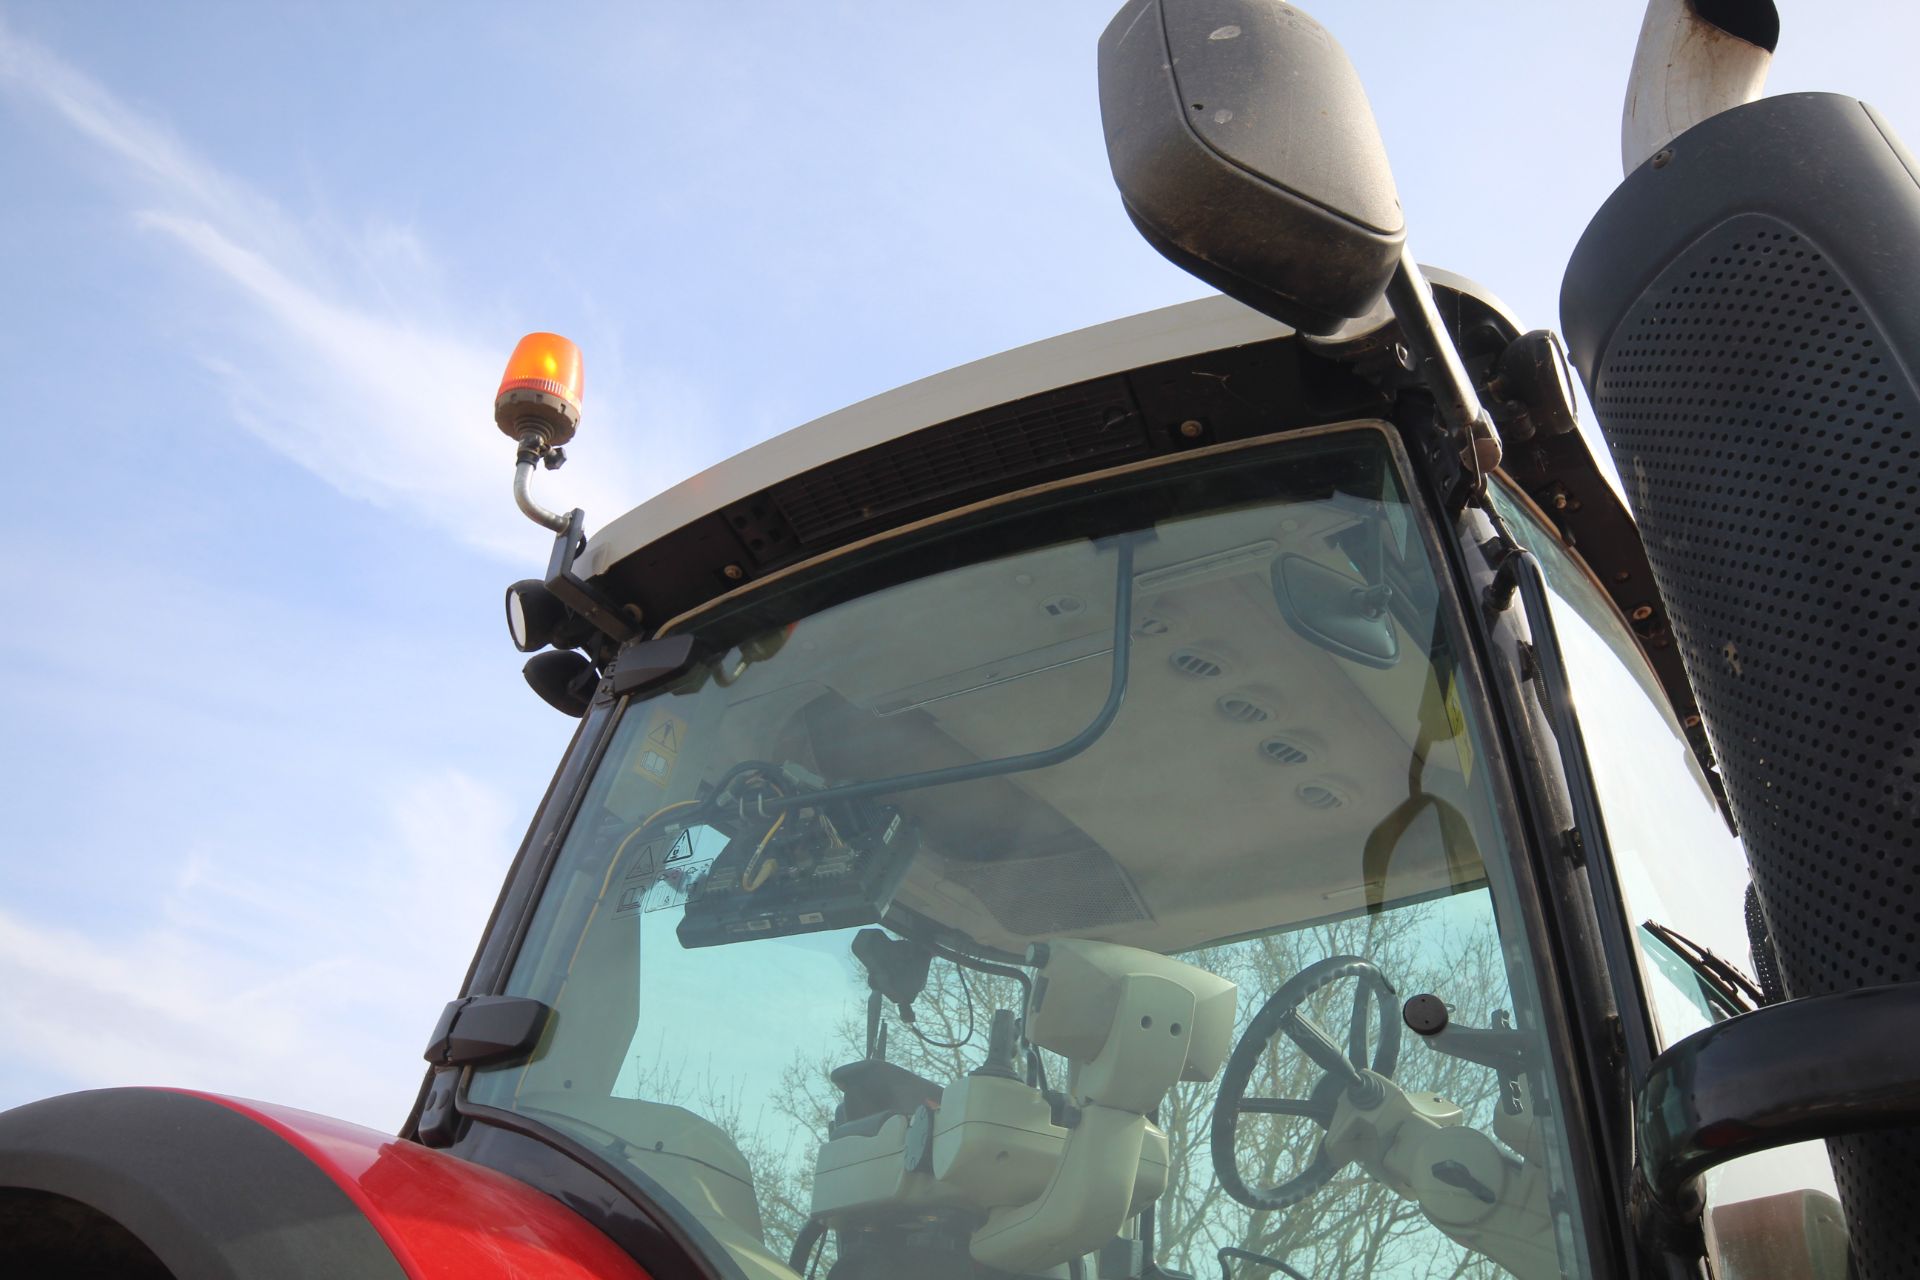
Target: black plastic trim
(1813, 142)
(1819, 1067)
(1235, 393)
(1616, 931)
(476, 1031)
(212, 1193)
(1557, 918)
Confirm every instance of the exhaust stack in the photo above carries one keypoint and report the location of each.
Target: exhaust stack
(1696, 58)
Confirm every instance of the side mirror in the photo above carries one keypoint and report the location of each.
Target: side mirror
(1245, 152)
(1819, 1067)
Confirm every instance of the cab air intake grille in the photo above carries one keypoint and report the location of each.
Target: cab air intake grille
(1768, 437)
(998, 449)
(1765, 431)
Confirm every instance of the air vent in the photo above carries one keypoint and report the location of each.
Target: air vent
(1285, 751)
(1316, 796)
(1241, 709)
(1012, 445)
(1201, 666)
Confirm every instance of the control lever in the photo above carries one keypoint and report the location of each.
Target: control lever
(1003, 1048)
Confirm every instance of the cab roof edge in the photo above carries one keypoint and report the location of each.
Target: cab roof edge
(1167, 333)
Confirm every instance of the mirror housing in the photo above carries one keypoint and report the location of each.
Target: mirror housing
(1819, 1067)
(1245, 152)
(1341, 614)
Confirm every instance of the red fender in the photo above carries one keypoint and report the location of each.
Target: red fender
(225, 1189)
(444, 1217)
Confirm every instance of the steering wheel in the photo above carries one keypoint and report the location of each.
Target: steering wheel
(1346, 1072)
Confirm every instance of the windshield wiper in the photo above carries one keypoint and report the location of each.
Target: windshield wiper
(1727, 980)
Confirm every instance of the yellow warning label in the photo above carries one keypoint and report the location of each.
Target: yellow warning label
(1457, 721)
(659, 750)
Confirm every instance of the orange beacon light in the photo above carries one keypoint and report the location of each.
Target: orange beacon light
(540, 391)
(538, 407)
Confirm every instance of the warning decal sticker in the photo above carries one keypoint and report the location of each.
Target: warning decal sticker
(661, 876)
(1457, 721)
(659, 750)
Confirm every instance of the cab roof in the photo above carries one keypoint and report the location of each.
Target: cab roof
(1152, 337)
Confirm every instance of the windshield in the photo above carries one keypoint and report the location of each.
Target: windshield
(1107, 874)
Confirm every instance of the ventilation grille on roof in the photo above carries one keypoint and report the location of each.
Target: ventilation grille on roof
(1243, 709)
(1315, 796)
(983, 450)
(1284, 751)
(1201, 666)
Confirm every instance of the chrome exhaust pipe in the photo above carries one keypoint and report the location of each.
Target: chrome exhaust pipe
(1696, 58)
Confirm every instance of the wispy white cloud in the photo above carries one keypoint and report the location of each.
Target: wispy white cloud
(336, 350)
(202, 995)
(262, 877)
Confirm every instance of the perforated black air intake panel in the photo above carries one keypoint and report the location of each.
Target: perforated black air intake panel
(1745, 310)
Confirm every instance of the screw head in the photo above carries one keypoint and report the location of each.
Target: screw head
(1192, 429)
(1663, 158)
(734, 572)
(1642, 613)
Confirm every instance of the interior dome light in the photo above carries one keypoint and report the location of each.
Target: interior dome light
(540, 391)
(534, 615)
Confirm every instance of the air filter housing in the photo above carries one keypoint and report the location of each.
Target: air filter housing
(1745, 310)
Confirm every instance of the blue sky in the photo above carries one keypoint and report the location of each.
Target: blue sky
(264, 747)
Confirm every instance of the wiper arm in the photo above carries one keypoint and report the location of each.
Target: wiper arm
(1727, 979)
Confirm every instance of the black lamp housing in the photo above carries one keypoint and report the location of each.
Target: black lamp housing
(534, 615)
(564, 679)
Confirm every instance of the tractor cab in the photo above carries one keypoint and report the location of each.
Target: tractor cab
(1054, 819)
(1071, 834)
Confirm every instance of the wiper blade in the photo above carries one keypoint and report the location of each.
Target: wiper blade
(1727, 979)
